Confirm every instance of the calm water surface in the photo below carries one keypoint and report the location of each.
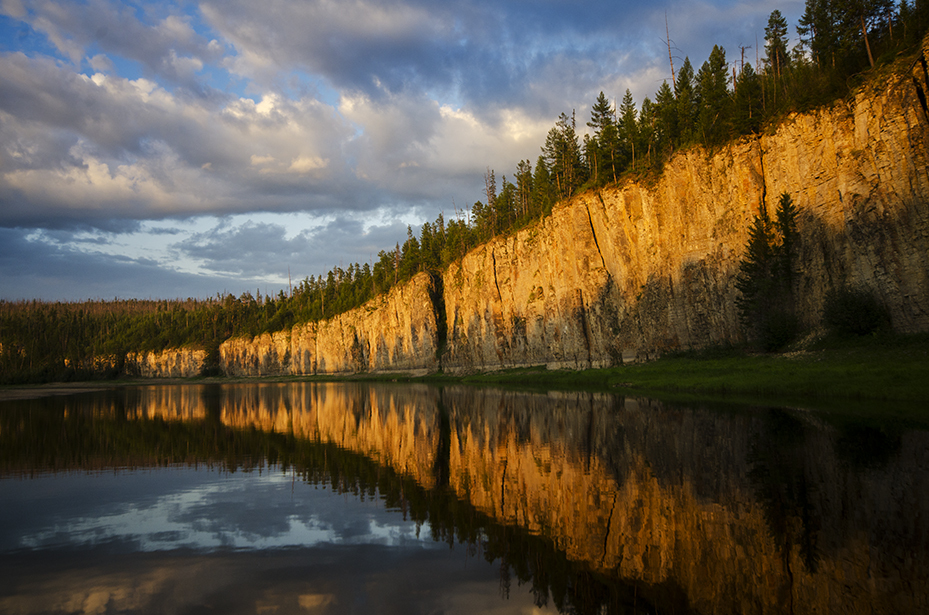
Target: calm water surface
(356, 498)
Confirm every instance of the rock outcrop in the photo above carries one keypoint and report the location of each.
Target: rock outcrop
(398, 331)
(635, 270)
(173, 363)
(640, 269)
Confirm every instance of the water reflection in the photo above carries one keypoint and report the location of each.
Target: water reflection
(596, 502)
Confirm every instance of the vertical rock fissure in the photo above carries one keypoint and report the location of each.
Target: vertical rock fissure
(437, 298)
(590, 221)
(442, 463)
(493, 258)
(503, 491)
(920, 92)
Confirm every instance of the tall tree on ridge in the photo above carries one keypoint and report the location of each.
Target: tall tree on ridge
(605, 139)
(713, 96)
(628, 128)
(686, 102)
(563, 155)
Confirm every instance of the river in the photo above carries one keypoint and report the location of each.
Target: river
(389, 498)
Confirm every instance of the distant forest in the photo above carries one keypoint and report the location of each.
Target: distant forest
(839, 42)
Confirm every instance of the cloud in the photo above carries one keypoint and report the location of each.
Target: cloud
(79, 147)
(39, 268)
(256, 249)
(114, 113)
(164, 44)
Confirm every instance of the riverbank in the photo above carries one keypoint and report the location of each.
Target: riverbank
(885, 368)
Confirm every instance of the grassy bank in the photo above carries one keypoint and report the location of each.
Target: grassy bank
(892, 368)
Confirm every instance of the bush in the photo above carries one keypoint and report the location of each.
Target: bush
(854, 311)
(778, 329)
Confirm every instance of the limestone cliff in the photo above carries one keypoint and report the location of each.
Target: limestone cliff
(171, 363)
(634, 270)
(646, 267)
(396, 331)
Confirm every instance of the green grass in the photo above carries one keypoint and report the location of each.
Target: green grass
(879, 368)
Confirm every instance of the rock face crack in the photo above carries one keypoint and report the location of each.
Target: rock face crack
(503, 490)
(437, 298)
(920, 92)
(590, 220)
(493, 257)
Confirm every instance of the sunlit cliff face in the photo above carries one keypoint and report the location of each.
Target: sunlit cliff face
(641, 268)
(741, 511)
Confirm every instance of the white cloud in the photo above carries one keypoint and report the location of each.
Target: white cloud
(258, 161)
(308, 164)
(101, 63)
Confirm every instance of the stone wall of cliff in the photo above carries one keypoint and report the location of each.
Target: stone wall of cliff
(172, 363)
(398, 331)
(634, 270)
(642, 268)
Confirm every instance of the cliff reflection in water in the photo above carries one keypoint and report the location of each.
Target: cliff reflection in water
(598, 500)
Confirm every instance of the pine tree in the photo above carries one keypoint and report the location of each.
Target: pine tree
(667, 128)
(765, 279)
(563, 156)
(542, 196)
(775, 36)
(628, 130)
(603, 146)
(713, 96)
(746, 102)
(686, 103)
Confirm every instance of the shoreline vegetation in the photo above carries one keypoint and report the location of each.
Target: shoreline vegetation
(883, 375)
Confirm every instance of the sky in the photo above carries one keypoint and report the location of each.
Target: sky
(174, 149)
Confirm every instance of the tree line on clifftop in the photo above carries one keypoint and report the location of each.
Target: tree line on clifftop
(838, 41)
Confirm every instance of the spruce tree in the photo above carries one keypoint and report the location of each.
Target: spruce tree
(686, 103)
(765, 278)
(628, 130)
(714, 101)
(603, 146)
